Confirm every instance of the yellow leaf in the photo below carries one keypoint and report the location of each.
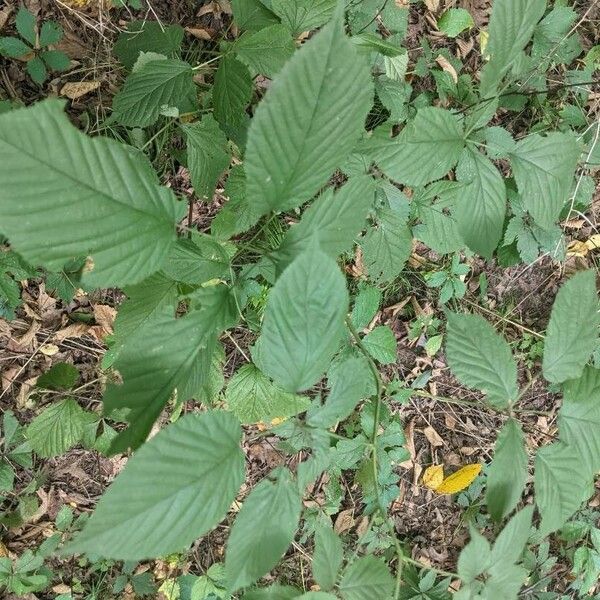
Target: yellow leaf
(460, 480)
(594, 242)
(433, 476)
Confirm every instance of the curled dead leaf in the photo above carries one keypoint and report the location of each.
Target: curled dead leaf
(77, 89)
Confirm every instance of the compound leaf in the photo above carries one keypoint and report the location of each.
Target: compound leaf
(305, 126)
(173, 490)
(89, 197)
(573, 328)
(480, 358)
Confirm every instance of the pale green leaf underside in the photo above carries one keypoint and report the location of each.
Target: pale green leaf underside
(173, 490)
(480, 358)
(573, 328)
(64, 195)
(303, 322)
(425, 150)
(305, 126)
(328, 557)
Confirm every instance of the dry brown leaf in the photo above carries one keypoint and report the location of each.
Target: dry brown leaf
(344, 521)
(200, 33)
(432, 5)
(444, 63)
(77, 89)
(4, 14)
(9, 376)
(577, 248)
(29, 336)
(433, 436)
(75, 330)
(409, 434)
(23, 396)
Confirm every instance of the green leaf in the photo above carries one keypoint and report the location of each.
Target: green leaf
(197, 260)
(366, 578)
(474, 558)
(25, 24)
(232, 91)
(148, 91)
(263, 530)
(153, 364)
(396, 66)
(303, 322)
(58, 428)
(381, 344)
(332, 221)
(561, 485)
(454, 21)
(265, 51)
(252, 397)
(303, 15)
(366, 305)
(386, 246)
(37, 70)
(507, 474)
(481, 210)
(56, 60)
(510, 30)
(543, 167)
(327, 558)
(147, 36)
(579, 418)
(90, 197)
(499, 142)
(305, 126)
(183, 481)
(426, 149)
(481, 359)
(13, 47)
(61, 376)
(511, 541)
(50, 33)
(573, 328)
(7, 478)
(554, 40)
(207, 153)
(348, 385)
(252, 14)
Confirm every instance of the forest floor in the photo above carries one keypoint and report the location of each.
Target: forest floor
(441, 422)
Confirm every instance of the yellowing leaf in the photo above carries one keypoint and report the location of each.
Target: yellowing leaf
(433, 476)
(460, 480)
(594, 242)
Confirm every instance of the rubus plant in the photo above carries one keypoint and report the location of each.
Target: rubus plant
(339, 104)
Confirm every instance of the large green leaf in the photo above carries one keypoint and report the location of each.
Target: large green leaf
(303, 15)
(508, 472)
(252, 14)
(232, 91)
(267, 50)
(156, 86)
(543, 167)
(573, 328)
(333, 221)
(263, 530)
(561, 485)
(147, 36)
(153, 364)
(207, 155)
(173, 490)
(252, 397)
(579, 418)
(511, 27)
(481, 210)
(366, 578)
(386, 246)
(347, 387)
(381, 344)
(308, 122)
(426, 149)
(510, 543)
(303, 322)
(481, 359)
(64, 195)
(57, 428)
(328, 557)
